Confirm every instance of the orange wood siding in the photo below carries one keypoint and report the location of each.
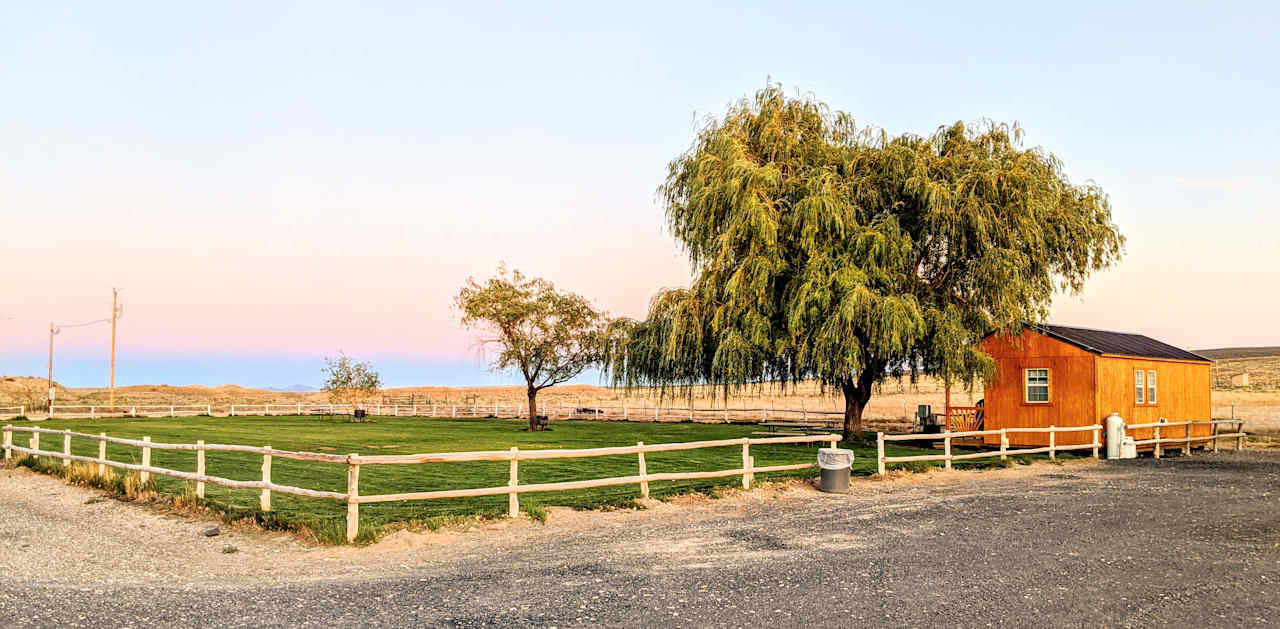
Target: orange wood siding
(1182, 394)
(1072, 393)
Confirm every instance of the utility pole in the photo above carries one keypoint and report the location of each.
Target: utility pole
(115, 311)
(52, 330)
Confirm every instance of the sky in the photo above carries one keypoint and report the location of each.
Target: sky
(271, 183)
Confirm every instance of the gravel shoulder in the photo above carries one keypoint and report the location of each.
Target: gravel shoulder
(1192, 540)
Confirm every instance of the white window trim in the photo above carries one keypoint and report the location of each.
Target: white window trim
(1139, 386)
(1026, 385)
(1152, 394)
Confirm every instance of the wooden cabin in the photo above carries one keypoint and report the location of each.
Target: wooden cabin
(1056, 375)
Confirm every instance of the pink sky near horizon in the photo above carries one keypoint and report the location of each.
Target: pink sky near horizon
(276, 183)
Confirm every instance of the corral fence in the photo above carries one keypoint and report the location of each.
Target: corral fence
(125, 410)
(615, 412)
(353, 461)
(1158, 441)
(1004, 452)
(1053, 448)
(9, 412)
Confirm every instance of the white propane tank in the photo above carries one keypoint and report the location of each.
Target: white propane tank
(1128, 448)
(1115, 435)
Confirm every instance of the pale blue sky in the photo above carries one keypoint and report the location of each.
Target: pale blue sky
(275, 182)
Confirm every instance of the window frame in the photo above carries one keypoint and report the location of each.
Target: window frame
(1140, 387)
(1152, 394)
(1048, 385)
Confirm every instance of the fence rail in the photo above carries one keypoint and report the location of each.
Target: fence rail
(1158, 442)
(129, 410)
(1004, 452)
(10, 412)
(354, 461)
(477, 409)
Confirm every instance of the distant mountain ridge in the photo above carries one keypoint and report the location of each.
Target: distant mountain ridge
(1239, 352)
(293, 388)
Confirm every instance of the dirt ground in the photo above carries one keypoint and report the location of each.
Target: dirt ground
(1187, 540)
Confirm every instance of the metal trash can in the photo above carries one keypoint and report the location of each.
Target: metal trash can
(1128, 448)
(835, 464)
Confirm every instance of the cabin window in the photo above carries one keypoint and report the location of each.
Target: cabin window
(1139, 387)
(1036, 387)
(1151, 387)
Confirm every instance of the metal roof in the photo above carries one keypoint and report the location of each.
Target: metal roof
(1122, 343)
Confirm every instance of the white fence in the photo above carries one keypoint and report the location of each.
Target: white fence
(123, 410)
(353, 462)
(9, 412)
(476, 409)
(1004, 452)
(1157, 441)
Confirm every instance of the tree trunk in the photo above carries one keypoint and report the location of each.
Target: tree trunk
(856, 396)
(533, 410)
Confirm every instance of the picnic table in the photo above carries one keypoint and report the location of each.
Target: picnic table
(791, 429)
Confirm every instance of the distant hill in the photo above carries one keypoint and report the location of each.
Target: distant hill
(293, 388)
(1261, 363)
(1239, 352)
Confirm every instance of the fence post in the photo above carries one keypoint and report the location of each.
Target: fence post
(691, 410)
(454, 411)
(233, 410)
(655, 412)
(1097, 440)
(746, 463)
(265, 501)
(353, 496)
(8, 442)
(51, 410)
(34, 442)
(200, 468)
(1053, 438)
(133, 411)
(66, 448)
(473, 407)
(146, 461)
(513, 499)
(1239, 429)
(1186, 447)
(946, 448)
(102, 454)
(208, 410)
(92, 412)
(299, 409)
(625, 417)
(1004, 444)
(880, 453)
(644, 472)
(1156, 451)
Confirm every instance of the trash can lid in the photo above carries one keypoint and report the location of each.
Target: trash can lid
(834, 458)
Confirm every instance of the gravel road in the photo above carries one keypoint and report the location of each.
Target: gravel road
(1188, 540)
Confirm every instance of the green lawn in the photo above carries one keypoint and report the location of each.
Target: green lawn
(414, 435)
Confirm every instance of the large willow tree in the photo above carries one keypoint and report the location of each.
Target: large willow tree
(826, 251)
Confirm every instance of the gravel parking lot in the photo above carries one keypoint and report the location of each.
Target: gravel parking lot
(1188, 540)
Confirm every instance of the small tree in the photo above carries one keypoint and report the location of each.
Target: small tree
(550, 336)
(349, 381)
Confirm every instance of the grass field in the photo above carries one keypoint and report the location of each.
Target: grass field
(326, 518)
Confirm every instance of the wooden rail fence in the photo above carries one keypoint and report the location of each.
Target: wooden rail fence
(1158, 441)
(475, 409)
(13, 411)
(1004, 452)
(354, 499)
